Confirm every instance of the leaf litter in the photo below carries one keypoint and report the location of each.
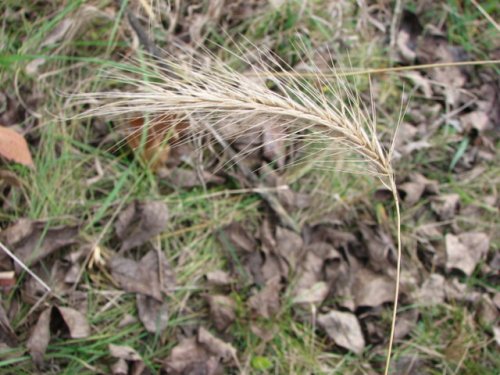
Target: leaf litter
(341, 273)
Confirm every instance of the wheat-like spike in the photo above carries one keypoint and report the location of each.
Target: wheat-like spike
(215, 95)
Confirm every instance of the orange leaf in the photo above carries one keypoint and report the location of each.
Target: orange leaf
(161, 133)
(14, 147)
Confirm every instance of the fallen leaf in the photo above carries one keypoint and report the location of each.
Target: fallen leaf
(120, 367)
(406, 39)
(344, 329)
(288, 246)
(416, 187)
(222, 311)
(31, 241)
(371, 289)
(463, 252)
(223, 351)
(140, 222)
(410, 147)
(432, 291)
(379, 246)
(126, 356)
(477, 120)
(156, 263)
(40, 337)
(239, 237)
(127, 320)
(405, 323)
(266, 303)
(456, 291)
(219, 278)
(203, 354)
(486, 311)
(152, 313)
(314, 295)
(189, 357)
(133, 278)
(312, 282)
(74, 322)
(435, 49)
(14, 147)
(124, 352)
(56, 320)
(446, 206)
(143, 276)
(153, 142)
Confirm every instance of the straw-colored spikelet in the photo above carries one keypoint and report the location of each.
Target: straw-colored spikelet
(214, 95)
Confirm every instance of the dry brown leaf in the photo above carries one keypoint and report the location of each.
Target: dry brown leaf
(463, 252)
(344, 329)
(406, 39)
(32, 241)
(143, 278)
(189, 357)
(133, 278)
(416, 187)
(40, 337)
(456, 291)
(140, 222)
(222, 311)
(478, 120)
(315, 294)
(63, 321)
(405, 323)
(371, 289)
(313, 277)
(14, 147)
(126, 356)
(152, 313)
(124, 352)
(223, 351)
(446, 206)
(435, 49)
(120, 367)
(156, 263)
(240, 238)
(432, 291)
(486, 311)
(266, 303)
(161, 133)
(379, 245)
(74, 321)
(288, 246)
(201, 355)
(219, 278)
